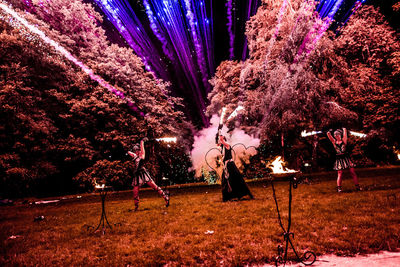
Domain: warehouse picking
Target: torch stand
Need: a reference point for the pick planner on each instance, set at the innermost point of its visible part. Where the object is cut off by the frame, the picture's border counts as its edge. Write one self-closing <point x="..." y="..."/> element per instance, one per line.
<point x="103" y="218"/>
<point x="308" y="257"/>
<point x="165" y="182"/>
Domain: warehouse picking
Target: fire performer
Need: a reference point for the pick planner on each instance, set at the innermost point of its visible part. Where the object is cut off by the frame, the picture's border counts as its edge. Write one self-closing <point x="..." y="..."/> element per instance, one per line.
<point x="343" y="160"/>
<point x="141" y="176"/>
<point x="233" y="184"/>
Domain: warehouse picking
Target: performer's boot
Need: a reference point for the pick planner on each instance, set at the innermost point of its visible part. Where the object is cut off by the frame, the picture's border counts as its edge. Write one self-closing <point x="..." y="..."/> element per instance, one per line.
<point x="165" y="195"/>
<point x="166" y="199"/>
<point x="358" y="188"/>
<point x="161" y="192"/>
<point x="339" y="189"/>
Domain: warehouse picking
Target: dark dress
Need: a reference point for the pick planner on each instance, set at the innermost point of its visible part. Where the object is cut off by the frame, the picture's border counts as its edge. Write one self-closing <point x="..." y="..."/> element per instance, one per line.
<point x="139" y="173"/>
<point x="233" y="184"/>
<point x="343" y="160"/>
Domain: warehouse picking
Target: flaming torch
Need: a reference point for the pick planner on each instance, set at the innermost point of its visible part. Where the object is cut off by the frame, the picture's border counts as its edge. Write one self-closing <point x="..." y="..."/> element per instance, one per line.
<point x="221" y="120"/>
<point x="305" y="134"/>
<point x="235" y="112"/>
<point x="358" y="134"/>
<point x="167" y="139"/>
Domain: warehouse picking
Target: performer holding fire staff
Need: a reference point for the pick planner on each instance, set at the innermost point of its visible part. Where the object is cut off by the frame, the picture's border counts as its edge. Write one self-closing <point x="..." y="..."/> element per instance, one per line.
<point x="233" y="184"/>
<point x="141" y="175"/>
<point x="343" y="160"/>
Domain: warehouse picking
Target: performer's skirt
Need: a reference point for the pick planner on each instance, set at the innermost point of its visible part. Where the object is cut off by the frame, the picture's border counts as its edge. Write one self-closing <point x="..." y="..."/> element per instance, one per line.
<point x="342" y="162"/>
<point x="141" y="177"/>
<point x="233" y="184"/>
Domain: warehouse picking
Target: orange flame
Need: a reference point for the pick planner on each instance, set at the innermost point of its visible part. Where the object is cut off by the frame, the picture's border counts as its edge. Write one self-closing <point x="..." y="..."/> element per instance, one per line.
<point x="397" y="152"/>
<point x="277" y="166"/>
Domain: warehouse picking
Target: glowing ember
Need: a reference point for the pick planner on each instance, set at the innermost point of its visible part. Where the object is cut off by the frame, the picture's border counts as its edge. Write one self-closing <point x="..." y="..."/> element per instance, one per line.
<point x="277" y="166"/>
<point x="235" y="112"/>
<point x="167" y="139"/>
<point x="358" y="134"/>
<point x="304" y="133"/>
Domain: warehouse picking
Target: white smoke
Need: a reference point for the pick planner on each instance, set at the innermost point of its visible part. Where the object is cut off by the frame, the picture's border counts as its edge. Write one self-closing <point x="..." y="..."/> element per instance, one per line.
<point x="205" y="140"/>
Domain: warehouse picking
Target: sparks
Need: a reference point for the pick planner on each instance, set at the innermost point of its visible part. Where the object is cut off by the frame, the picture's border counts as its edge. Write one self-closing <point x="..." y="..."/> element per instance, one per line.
<point x="235" y="112"/>
<point x="167" y="139"/>
<point x="362" y="135"/>
<point x="304" y="133"/>
<point x="222" y="115"/>
<point x="69" y="56"/>
<point x="230" y="26"/>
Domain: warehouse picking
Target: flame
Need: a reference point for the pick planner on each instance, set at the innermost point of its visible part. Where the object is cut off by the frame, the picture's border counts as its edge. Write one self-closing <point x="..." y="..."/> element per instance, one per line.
<point x="235" y="112"/>
<point x="397" y="152"/>
<point x="222" y="115"/>
<point x="277" y="166"/>
<point x="304" y="133"/>
<point x="167" y="139"/>
<point x="358" y="134"/>
<point x="99" y="186"/>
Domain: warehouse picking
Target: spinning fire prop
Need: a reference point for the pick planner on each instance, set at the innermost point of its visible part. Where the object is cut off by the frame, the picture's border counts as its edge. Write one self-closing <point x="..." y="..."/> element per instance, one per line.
<point x="304" y="133"/>
<point x="167" y="139"/>
<point x="221" y="120"/>
<point x="235" y="112"/>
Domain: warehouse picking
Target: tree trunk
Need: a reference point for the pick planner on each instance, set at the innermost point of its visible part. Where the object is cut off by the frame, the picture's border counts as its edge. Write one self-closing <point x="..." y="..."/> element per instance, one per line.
<point x="314" y="152"/>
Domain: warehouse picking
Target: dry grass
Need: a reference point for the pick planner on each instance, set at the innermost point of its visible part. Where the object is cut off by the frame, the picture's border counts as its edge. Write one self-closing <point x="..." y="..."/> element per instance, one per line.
<point x="245" y="232"/>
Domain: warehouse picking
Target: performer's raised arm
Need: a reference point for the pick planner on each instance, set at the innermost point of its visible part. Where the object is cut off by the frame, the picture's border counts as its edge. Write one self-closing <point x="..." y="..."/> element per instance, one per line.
<point x="142" y="153"/>
<point x="345" y="136"/>
<point x="222" y="140"/>
<point x="330" y="136"/>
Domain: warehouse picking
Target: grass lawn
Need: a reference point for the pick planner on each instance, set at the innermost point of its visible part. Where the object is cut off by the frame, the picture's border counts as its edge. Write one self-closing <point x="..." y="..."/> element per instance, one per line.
<point x="244" y="232"/>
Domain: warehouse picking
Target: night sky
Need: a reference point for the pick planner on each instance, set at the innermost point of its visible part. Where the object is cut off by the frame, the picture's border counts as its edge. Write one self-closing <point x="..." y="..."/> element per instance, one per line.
<point x="221" y="38"/>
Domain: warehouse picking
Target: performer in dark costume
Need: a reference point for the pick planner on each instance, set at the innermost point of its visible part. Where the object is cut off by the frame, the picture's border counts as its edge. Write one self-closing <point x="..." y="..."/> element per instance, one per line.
<point x="141" y="175"/>
<point x="233" y="184"/>
<point x="343" y="160"/>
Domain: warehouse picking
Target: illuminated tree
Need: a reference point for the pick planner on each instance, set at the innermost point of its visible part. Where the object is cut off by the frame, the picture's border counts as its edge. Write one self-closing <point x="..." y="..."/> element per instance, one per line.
<point x="370" y="49"/>
<point x="280" y="84"/>
<point x="56" y="122"/>
<point x="298" y="76"/>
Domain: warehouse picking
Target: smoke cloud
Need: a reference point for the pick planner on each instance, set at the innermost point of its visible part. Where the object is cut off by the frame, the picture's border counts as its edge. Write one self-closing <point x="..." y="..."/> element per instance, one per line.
<point x="204" y="141"/>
